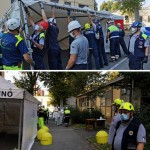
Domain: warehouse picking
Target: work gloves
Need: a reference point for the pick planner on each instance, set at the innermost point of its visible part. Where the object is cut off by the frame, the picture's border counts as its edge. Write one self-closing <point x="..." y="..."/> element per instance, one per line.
<point x="145" y="60"/>
<point x="28" y="37"/>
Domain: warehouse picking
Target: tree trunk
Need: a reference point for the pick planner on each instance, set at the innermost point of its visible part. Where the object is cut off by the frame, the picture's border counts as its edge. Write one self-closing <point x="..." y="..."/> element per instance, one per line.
<point x="136" y="14"/>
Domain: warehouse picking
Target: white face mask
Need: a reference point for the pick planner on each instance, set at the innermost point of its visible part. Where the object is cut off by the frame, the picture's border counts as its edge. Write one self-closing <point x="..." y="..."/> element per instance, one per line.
<point x="72" y="35"/>
<point x="134" y="30"/>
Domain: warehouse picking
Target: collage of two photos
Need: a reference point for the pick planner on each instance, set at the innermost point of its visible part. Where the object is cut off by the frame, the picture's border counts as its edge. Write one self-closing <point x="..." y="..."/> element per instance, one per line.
<point x="74" y="75"/>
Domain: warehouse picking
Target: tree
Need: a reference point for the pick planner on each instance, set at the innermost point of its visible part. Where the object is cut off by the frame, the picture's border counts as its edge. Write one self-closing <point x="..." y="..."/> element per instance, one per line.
<point x="66" y="84"/>
<point x="132" y="7"/>
<point x="27" y="81"/>
<point x="95" y="5"/>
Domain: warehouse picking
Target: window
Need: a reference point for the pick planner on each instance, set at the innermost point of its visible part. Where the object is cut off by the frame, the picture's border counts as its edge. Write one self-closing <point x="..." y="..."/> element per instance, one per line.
<point x="67" y="3"/>
<point x="81" y="6"/>
<point x="55" y="1"/>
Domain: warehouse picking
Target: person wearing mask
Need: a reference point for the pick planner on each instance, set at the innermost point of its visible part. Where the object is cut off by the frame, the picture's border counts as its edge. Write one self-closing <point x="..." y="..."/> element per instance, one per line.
<point x="51" y="42"/>
<point x="130" y="133"/>
<point x="121" y="40"/>
<point x="13" y="47"/>
<point x="113" y="36"/>
<point x="90" y="35"/>
<point x="138" y="47"/>
<point x="37" y="41"/>
<point x="115" y="108"/>
<point x="78" y="49"/>
<point x="99" y="37"/>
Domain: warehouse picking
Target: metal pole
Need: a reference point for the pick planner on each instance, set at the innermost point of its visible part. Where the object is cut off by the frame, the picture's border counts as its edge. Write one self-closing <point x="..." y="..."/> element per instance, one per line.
<point x="27" y="32"/>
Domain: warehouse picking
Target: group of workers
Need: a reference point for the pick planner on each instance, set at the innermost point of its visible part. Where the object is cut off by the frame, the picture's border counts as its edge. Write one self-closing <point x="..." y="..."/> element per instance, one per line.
<point x="61" y="116"/>
<point x="83" y="45"/>
<point x="126" y="131"/>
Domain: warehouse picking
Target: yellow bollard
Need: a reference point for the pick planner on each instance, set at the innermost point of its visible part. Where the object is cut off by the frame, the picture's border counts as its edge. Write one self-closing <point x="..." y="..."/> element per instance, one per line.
<point x="40" y="133"/>
<point x="45" y="128"/>
<point x="46" y="139"/>
<point x="102" y="137"/>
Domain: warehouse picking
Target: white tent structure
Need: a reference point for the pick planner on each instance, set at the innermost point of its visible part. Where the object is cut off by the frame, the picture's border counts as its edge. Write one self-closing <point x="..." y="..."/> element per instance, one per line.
<point x="18" y="113"/>
<point x="17" y="11"/>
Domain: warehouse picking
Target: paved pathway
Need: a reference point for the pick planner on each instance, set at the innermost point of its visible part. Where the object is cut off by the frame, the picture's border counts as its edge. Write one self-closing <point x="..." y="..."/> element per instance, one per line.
<point x="66" y="138"/>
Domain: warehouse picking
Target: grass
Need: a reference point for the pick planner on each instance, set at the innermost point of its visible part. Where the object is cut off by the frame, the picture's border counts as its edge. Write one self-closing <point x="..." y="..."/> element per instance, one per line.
<point x="97" y="146"/>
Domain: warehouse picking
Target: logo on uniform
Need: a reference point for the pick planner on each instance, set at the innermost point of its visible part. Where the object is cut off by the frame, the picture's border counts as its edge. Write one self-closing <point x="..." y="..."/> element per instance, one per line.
<point x="130" y="132"/>
<point x="140" y="43"/>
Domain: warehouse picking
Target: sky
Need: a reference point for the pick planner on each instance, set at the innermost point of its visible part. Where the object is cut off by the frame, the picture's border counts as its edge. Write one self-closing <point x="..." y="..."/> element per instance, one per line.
<point x="147" y="2"/>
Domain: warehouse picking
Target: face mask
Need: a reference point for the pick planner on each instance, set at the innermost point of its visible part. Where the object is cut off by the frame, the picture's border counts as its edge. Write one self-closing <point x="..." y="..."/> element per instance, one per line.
<point x="72" y="35"/>
<point x="36" y="27"/>
<point x="134" y="30"/>
<point x="124" y="117"/>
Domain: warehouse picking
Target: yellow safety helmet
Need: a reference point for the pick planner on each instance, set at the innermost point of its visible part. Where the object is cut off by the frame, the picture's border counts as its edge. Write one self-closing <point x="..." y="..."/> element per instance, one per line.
<point x="127" y="106"/>
<point x="87" y="26"/>
<point x="118" y="101"/>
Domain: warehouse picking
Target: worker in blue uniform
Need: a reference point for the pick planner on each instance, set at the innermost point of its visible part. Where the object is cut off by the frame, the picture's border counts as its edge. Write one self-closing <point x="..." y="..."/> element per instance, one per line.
<point x="100" y="41"/>
<point x="113" y="36"/>
<point x="13" y="47"/>
<point x="93" y="51"/>
<point x="138" y="47"/>
<point x="51" y="42"/>
<point x="121" y="41"/>
<point x="37" y="42"/>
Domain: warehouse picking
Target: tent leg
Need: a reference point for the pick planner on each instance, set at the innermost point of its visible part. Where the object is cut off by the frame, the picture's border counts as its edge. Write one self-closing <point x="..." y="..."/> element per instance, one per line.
<point x="20" y="125"/>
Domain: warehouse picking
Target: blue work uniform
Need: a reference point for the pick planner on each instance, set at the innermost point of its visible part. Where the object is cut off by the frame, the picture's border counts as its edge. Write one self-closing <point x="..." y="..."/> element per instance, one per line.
<point x="13" y="48"/>
<point x="52" y="44"/>
<point x="137" y="46"/>
<point x="80" y="48"/>
<point x="114" y="41"/>
<point x="100" y="45"/>
<point x="38" y="54"/>
<point x="122" y="42"/>
<point x="90" y="35"/>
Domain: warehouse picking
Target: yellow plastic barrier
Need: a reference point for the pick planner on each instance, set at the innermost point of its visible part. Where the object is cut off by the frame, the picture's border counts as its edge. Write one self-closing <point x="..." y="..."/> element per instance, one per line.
<point x="45" y="128"/>
<point x="46" y="139"/>
<point x="102" y="137"/>
<point x="40" y="133"/>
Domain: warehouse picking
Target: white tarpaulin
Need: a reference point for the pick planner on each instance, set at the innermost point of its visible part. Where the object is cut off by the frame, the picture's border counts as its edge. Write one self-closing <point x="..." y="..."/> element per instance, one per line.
<point x="18" y="113"/>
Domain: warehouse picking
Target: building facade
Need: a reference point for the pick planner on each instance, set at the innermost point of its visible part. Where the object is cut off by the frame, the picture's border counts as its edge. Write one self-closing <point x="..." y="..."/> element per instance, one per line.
<point x="103" y="99"/>
<point x="78" y="3"/>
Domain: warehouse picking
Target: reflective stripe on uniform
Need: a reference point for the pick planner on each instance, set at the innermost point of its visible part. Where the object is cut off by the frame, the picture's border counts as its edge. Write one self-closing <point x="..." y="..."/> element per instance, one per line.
<point x="144" y="36"/>
<point x="113" y="28"/>
<point x="42" y="35"/>
<point x="19" y="40"/>
<point x="12" y="67"/>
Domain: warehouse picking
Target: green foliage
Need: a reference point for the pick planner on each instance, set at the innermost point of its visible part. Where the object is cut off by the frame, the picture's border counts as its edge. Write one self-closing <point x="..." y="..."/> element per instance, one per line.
<point x="27" y="81"/>
<point x="96" y="113"/>
<point x="78" y="116"/>
<point x="110" y="6"/>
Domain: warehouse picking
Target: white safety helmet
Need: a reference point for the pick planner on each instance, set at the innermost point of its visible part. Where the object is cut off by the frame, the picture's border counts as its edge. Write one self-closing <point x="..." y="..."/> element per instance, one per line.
<point x="13" y="24"/>
<point x="73" y="25"/>
<point x="52" y="20"/>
